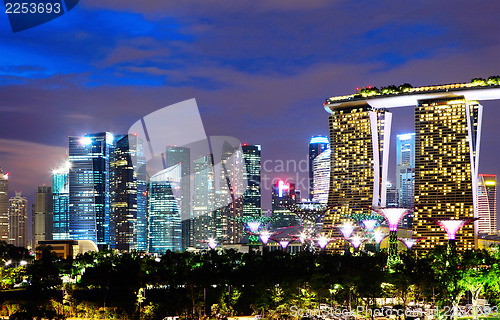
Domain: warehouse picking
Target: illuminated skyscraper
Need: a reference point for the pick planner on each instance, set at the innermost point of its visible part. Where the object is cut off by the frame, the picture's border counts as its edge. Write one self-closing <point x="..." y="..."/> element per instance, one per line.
<point x="203" y="201"/>
<point x="230" y="197"/>
<point x="283" y="194"/>
<point x="42" y="215"/>
<point x="487" y="203"/>
<point x="18" y="218"/>
<point x="4" y="206"/>
<point x="165" y="231"/>
<point x="392" y="197"/>
<point x="359" y="136"/>
<point x="317" y="145"/>
<point x="181" y="155"/>
<point x="447" y="138"/>
<point x="89" y="182"/>
<point x="128" y="229"/>
<point x="321" y="172"/>
<point x="60" y="204"/>
<point x="252" y="196"/>
<point x="405" y="174"/>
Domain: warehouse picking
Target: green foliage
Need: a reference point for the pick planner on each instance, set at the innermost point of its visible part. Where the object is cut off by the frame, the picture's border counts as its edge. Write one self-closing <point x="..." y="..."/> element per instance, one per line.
<point x="127" y="285"/>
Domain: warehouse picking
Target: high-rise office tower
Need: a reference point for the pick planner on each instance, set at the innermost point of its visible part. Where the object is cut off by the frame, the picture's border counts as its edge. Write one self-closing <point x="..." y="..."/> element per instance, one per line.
<point x="181" y="155"/>
<point x="203" y="201"/>
<point x="487" y="203"/>
<point x="42" y="215"/>
<point x="165" y="232"/>
<point x="89" y="182"/>
<point x="317" y="145"/>
<point x="283" y="194"/>
<point x="447" y="139"/>
<point x="392" y="197"/>
<point x="60" y="204"/>
<point x="405" y="174"/>
<point x="18" y="218"/>
<point x="360" y="136"/>
<point x="230" y="197"/>
<point x="128" y="229"/>
<point x="405" y="168"/>
<point x="321" y="173"/>
<point x="252" y="195"/>
<point x="4" y="206"/>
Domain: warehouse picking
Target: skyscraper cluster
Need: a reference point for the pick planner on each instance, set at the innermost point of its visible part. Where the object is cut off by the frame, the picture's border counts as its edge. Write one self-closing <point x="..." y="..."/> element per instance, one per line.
<point x="106" y="194"/>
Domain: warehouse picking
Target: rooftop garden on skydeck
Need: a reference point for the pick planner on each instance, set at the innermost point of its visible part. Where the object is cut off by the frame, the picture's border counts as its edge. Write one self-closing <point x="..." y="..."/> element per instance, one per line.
<point x="407" y="89"/>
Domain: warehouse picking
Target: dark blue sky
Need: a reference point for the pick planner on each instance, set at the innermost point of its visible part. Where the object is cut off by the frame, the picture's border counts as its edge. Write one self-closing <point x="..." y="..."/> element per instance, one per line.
<point x="260" y="70"/>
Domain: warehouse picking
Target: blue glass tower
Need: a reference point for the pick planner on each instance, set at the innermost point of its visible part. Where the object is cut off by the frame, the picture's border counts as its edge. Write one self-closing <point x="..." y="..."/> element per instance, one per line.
<point x="60" y="203"/>
<point x="89" y="181"/>
<point x="165" y="232"/>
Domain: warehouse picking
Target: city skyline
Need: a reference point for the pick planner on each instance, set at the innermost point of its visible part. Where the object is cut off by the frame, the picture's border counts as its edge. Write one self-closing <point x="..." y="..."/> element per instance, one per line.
<point x="106" y="78"/>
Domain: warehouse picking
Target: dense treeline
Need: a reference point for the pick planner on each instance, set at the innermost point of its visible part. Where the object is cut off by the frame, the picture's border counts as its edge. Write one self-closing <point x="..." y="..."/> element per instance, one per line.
<point x="224" y="283"/>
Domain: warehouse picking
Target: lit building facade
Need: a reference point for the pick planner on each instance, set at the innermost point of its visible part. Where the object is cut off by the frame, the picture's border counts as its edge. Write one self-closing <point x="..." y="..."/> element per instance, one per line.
<point x="405" y="174"/>
<point x="392" y="197"/>
<point x="18" y="219"/>
<point x="165" y="232"/>
<point x="181" y="155"/>
<point x="317" y="145"/>
<point x="321" y="173"/>
<point x="89" y="192"/>
<point x="128" y="223"/>
<point x="252" y="196"/>
<point x="359" y="136"/>
<point x="283" y="194"/>
<point x="487" y="203"/>
<point x="60" y="203"/>
<point x="446" y="161"/>
<point x="230" y="198"/>
<point x="204" y="202"/>
<point x="405" y="169"/>
<point x="42" y="215"/>
<point x="4" y="206"/>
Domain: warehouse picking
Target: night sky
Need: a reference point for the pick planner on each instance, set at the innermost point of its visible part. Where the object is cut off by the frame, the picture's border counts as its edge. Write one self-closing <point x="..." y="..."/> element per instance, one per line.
<point x="259" y="70"/>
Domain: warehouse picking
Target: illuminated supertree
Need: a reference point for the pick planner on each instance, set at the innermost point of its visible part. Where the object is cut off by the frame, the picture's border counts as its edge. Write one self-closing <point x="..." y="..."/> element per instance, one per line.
<point x="378" y="236"/>
<point x="322" y="242"/>
<point x="211" y="242"/>
<point x="393" y="216"/>
<point x="356" y="242"/>
<point x="310" y="214"/>
<point x="452" y="226"/>
<point x="347" y="229"/>
<point x="410" y="242"/>
<point x="254" y="224"/>
<point x="265" y="236"/>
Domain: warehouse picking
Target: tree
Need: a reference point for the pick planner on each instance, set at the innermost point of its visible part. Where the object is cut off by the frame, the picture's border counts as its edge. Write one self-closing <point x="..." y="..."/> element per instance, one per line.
<point x="449" y="274"/>
<point x="480" y="269"/>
